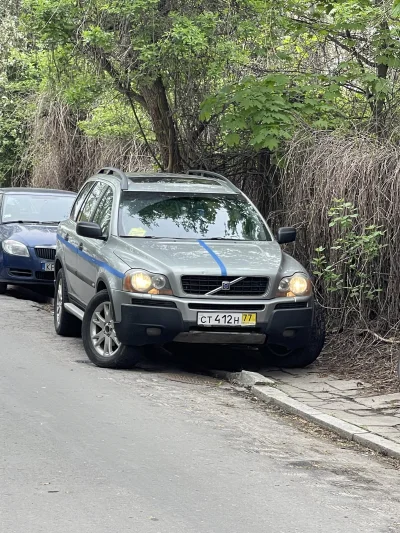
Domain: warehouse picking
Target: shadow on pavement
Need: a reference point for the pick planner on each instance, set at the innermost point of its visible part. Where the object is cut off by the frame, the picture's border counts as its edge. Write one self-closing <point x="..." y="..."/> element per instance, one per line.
<point x="200" y="359"/>
<point x="40" y="296"/>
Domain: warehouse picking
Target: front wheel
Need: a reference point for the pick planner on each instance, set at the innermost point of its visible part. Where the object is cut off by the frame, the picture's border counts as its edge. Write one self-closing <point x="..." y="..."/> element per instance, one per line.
<point x="301" y="357"/>
<point x="100" y="339"/>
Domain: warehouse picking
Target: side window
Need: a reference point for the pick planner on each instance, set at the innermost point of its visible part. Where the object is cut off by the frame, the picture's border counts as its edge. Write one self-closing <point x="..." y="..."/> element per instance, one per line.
<point x="102" y="215"/>
<point x="86" y="212"/>
<point x="80" y="199"/>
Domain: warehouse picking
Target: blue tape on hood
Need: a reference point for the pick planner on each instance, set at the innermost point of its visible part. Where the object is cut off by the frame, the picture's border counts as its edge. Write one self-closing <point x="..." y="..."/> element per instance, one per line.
<point x="214" y="256"/>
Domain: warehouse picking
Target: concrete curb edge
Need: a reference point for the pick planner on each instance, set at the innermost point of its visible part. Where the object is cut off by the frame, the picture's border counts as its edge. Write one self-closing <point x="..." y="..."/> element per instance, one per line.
<point x="265" y="390"/>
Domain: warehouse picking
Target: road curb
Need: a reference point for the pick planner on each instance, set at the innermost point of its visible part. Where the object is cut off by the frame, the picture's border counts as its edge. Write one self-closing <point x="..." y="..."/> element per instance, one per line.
<point x="243" y="378"/>
<point x="265" y="389"/>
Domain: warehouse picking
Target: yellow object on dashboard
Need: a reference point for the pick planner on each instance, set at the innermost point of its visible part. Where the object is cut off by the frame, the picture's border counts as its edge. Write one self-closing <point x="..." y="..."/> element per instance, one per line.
<point x="137" y="232"/>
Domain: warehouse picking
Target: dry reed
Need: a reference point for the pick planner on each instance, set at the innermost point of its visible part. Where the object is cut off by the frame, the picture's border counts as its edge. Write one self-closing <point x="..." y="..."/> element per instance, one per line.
<point x="319" y="167"/>
<point x="63" y="157"/>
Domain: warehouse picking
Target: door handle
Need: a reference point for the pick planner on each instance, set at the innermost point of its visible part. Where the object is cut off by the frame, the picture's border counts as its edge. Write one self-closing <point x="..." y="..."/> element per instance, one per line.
<point x="80" y="246"/>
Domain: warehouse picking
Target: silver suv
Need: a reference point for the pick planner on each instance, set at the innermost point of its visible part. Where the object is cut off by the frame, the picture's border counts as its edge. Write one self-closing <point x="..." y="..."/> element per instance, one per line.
<point x="153" y="259"/>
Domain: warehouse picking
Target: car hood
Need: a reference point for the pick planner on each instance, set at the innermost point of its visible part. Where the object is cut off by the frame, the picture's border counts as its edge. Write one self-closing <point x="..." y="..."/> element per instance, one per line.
<point x="30" y="234"/>
<point x="231" y="258"/>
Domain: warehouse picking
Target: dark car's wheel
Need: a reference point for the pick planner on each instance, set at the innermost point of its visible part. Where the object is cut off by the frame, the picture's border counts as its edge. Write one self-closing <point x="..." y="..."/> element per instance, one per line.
<point x="301" y="357"/>
<point x="100" y="339"/>
<point x="3" y="288"/>
<point x="65" y="324"/>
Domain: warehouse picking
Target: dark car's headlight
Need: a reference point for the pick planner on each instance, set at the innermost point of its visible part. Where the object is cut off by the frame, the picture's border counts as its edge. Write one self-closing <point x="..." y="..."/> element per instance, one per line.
<point x="15" y="248"/>
<point x="145" y="282"/>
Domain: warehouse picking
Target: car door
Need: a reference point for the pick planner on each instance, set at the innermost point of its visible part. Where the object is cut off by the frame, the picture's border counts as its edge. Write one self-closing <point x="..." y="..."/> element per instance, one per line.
<point x="86" y="263"/>
<point x="66" y="234"/>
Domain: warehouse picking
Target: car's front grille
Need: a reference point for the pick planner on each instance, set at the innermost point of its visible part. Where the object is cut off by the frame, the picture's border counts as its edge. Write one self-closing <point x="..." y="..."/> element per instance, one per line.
<point x="225" y="307"/>
<point x="248" y="286"/>
<point x="46" y="253"/>
<point x="44" y="275"/>
<point x="20" y="272"/>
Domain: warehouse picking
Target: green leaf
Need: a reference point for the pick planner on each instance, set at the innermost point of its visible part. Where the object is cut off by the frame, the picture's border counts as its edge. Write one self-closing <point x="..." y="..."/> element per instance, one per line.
<point x="232" y="139"/>
<point x="396" y="8"/>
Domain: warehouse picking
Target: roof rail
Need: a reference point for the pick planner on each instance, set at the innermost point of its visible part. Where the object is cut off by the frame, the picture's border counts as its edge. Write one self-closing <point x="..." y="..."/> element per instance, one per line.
<point x="208" y="174"/>
<point x="117" y="172"/>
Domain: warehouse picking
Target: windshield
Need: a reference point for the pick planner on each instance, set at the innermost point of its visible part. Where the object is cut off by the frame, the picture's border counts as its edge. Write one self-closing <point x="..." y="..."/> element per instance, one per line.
<point x="38" y="208"/>
<point x="179" y="216"/>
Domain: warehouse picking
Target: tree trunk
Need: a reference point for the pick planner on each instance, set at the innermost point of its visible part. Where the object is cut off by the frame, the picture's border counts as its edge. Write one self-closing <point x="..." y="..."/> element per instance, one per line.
<point x="157" y="105"/>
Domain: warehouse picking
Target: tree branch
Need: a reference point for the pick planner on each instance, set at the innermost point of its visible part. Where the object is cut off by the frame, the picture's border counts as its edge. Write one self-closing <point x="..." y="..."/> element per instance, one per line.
<point x="123" y="88"/>
<point x="151" y="151"/>
<point x="352" y="50"/>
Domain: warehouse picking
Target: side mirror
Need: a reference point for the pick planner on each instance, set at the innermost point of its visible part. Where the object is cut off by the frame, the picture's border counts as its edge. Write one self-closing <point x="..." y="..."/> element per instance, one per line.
<point x="286" y="235"/>
<point x="89" y="229"/>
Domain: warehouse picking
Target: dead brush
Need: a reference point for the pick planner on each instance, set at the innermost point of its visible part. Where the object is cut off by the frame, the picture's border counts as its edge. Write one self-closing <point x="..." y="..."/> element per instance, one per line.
<point x="319" y="167"/>
<point x="63" y="157"/>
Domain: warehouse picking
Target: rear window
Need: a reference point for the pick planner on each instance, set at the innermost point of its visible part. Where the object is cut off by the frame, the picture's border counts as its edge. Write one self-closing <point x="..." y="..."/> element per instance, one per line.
<point x="180" y="216"/>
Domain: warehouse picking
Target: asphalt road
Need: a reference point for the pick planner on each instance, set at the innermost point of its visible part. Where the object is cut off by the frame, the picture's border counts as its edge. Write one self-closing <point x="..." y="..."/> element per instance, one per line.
<point x="86" y="450"/>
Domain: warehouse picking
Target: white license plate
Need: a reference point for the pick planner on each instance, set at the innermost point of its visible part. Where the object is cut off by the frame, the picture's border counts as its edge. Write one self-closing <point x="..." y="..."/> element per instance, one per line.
<point x="48" y="267"/>
<point x="227" y="319"/>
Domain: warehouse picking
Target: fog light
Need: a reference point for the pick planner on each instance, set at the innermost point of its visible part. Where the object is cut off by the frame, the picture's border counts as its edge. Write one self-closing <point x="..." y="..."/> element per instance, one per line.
<point x="153" y="332"/>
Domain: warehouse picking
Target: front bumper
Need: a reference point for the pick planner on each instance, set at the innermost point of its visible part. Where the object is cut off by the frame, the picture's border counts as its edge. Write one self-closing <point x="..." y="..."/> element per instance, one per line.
<point x="17" y="270"/>
<point x="146" y="320"/>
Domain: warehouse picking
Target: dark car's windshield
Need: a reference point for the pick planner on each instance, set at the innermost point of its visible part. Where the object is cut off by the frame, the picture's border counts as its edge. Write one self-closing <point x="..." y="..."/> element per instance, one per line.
<point x="180" y="216"/>
<point x="39" y="208"/>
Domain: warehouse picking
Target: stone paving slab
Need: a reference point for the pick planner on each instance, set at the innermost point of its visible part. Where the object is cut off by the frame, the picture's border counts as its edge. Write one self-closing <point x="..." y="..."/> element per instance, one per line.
<point x="348" y="407"/>
<point x="327" y="395"/>
<point x="294" y="391"/>
<point x="342" y="405"/>
<point x="346" y="384"/>
<point x="366" y="420"/>
<point x="390" y="433"/>
<point x="312" y="386"/>
<point x="301" y="395"/>
<point x="382" y="401"/>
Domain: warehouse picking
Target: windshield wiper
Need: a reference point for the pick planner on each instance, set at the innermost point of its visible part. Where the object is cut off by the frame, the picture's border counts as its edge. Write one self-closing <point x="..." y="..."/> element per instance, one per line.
<point x="144" y="237"/>
<point x="21" y="222"/>
<point x="47" y="223"/>
<point x="219" y="239"/>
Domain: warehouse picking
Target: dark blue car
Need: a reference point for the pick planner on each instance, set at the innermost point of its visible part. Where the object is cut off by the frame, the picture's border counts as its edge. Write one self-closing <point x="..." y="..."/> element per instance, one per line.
<point x="28" y="227"/>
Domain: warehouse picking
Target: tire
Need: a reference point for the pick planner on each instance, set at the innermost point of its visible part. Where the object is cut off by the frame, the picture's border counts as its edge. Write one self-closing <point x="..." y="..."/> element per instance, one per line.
<point x="301" y="357"/>
<point x="98" y="324"/>
<point x="65" y="324"/>
<point x="3" y="288"/>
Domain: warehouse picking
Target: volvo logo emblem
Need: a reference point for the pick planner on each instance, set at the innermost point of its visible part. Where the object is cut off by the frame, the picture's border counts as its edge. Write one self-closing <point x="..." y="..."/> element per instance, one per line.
<point x="226" y="286"/>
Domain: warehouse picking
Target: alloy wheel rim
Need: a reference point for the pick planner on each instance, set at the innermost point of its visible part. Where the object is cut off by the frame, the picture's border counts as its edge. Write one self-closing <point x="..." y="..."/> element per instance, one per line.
<point x="59" y="302"/>
<point x="102" y="332"/>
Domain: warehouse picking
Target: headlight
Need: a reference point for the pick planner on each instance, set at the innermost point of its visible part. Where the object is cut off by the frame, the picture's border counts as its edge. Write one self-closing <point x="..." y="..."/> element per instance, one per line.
<point x="15" y="248"/>
<point x="297" y="285"/>
<point x="139" y="281"/>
